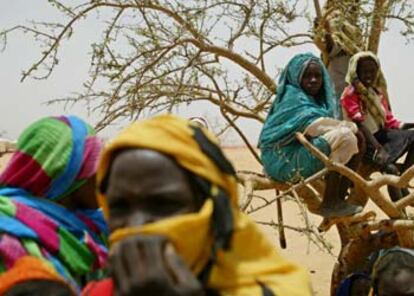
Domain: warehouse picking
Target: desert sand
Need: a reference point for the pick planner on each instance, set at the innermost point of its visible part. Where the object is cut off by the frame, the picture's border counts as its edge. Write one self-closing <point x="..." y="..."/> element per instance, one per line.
<point x="4" y="158"/>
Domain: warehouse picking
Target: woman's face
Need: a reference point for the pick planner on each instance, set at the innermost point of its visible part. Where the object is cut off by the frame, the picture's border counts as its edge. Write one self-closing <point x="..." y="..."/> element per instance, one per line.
<point x="146" y="186"/>
<point x="367" y="71"/>
<point x="312" y="79"/>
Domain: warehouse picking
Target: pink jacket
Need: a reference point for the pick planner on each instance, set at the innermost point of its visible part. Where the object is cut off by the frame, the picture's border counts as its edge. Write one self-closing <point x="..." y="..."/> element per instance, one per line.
<point x="355" y="110"/>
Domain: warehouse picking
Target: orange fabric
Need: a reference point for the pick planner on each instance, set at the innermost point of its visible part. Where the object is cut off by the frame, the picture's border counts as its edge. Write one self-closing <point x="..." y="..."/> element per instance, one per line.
<point x="25" y="269"/>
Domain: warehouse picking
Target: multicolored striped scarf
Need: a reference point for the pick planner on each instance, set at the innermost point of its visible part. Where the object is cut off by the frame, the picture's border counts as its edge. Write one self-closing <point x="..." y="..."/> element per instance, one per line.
<point x="54" y="157"/>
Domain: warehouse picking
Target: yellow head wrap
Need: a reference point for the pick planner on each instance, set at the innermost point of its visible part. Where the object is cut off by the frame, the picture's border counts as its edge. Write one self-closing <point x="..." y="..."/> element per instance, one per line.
<point x="249" y="259"/>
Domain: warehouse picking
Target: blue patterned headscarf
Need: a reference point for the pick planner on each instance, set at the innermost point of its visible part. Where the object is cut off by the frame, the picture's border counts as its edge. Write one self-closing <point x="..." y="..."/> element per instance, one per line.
<point x="293" y="110"/>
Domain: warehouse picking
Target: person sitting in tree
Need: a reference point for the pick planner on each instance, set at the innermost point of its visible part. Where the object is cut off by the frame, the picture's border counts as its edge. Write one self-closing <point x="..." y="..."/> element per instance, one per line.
<point x="365" y="102"/>
<point x="305" y="103"/>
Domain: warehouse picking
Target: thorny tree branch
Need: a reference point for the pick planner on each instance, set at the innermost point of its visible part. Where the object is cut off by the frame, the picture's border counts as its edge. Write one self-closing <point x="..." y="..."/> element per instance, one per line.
<point x="357" y="224"/>
<point x="312" y="234"/>
<point x="378" y="21"/>
<point x="372" y="188"/>
<point x="170" y="46"/>
<point x="260" y="182"/>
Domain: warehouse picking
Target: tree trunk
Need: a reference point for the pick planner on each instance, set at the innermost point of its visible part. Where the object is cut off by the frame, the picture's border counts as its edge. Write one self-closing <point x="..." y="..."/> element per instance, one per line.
<point x="353" y="256"/>
<point x="338" y="65"/>
<point x="377" y="25"/>
<point x="354" y="12"/>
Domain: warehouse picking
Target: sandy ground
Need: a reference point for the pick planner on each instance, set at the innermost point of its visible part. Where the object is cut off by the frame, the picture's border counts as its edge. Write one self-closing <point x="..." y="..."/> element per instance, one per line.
<point x="4" y="158"/>
<point x="299" y="249"/>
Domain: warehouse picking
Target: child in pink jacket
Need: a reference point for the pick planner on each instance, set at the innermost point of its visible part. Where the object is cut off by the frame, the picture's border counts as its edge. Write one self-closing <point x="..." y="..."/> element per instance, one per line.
<point x="365" y="102"/>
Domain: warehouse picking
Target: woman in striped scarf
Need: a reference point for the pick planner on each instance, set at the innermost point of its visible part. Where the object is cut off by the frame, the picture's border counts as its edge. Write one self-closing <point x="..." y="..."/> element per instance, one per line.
<point x="48" y="209"/>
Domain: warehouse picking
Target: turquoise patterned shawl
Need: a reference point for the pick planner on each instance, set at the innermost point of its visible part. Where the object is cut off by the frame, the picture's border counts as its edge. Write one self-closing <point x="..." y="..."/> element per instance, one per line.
<point x="293" y="110"/>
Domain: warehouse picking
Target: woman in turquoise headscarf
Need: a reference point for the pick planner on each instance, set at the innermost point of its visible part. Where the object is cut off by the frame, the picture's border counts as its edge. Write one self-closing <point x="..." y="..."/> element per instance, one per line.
<point x="305" y="102"/>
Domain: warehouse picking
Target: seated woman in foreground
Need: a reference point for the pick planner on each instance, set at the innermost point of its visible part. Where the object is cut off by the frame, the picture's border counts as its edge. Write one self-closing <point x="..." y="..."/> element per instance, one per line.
<point x="170" y="196"/>
<point x="51" y="231"/>
<point x="364" y="102"/>
<point x="305" y="102"/>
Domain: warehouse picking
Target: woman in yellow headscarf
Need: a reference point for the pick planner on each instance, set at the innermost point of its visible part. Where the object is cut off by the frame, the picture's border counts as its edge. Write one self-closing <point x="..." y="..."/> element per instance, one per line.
<point x="170" y="197"/>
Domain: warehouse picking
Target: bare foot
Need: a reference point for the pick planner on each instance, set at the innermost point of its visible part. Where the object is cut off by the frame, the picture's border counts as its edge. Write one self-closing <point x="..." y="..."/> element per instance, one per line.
<point x="339" y="209"/>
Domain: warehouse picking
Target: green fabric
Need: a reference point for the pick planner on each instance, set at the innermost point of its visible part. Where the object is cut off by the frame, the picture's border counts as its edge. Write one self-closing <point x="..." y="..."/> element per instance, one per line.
<point x="32" y="247"/>
<point x="7" y="207"/>
<point x="2" y="267"/>
<point x="79" y="262"/>
<point x="54" y="157"/>
<point x="293" y="162"/>
<point x="293" y="111"/>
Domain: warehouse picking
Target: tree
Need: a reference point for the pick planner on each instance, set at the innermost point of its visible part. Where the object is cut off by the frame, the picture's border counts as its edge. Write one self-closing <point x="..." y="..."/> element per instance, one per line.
<point x="176" y="52"/>
<point x="158" y="54"/>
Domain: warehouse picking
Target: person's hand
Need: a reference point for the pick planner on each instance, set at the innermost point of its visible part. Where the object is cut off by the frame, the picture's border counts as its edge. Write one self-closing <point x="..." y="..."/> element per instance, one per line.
<point x="351" y="125"/>
<point x="391" y="168"/>
<point x="149" y="265"/>
<point x="381" y="157"/>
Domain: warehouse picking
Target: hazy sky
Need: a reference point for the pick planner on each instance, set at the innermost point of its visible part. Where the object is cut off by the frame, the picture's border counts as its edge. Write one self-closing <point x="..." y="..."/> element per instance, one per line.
<point x="21" y="103"/>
